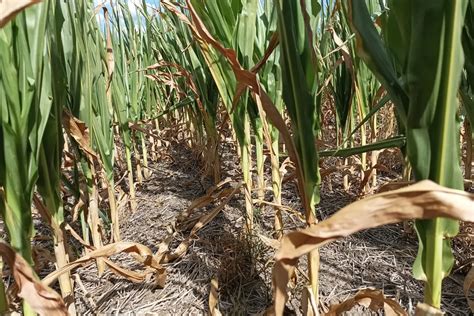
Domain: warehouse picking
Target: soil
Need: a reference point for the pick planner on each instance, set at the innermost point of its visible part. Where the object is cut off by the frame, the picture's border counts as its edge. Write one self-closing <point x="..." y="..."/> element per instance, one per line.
<point x="379" y="258"/>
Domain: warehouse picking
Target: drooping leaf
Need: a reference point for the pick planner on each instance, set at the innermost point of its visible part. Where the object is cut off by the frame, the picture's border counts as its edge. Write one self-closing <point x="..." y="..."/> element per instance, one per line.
<point x="424" y="200"/>
<point x="10" y="8"/>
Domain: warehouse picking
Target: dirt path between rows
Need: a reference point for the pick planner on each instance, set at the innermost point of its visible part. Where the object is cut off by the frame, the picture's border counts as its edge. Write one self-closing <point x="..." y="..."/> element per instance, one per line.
<point x="379" y="258"/>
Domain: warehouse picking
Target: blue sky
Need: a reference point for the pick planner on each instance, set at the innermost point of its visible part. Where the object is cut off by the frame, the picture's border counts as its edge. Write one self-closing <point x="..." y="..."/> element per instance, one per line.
<point x="132" y="4"/>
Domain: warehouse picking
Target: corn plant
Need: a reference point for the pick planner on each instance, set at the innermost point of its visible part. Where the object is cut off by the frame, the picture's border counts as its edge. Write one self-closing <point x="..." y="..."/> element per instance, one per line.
<point x="50" y="156"/>
<point x="270" y="77"/>
<point x="422" y="74"/>
<point x="32" y="96"/>
<point x="87" y="77"/>
<point x="296" y="24"/>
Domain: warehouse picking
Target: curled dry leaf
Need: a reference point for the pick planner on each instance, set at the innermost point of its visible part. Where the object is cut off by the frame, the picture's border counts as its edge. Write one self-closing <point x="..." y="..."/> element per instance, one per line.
<point x="281" y="207"/>
<point x="79" y="131"/>
<point x="165" y="256"/>
<point x="469" y="288"/>
<point x="213" y="298"/>
<point x="423" y="200"/>
<point x="202" y="201"/>
<point x="10" y="8"/>
<point x="39" y="296"/>
<point x="391" y="186"/>
<point x="182" y="72"/>
<point x="141" y="253"/>
<point x="369" y="172"/>
<point x="373" y="299"/>
<point x="423" y="309"/>
<point x="269" y="242"/>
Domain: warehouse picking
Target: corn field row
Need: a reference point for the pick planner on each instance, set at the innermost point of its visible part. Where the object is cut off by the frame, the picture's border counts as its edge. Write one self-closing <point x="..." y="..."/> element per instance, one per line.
<point x="91" y="94"/>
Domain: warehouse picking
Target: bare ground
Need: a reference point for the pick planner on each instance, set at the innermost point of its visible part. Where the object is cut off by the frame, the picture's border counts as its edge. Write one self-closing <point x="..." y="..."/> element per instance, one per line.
<point x="379" y="258"/>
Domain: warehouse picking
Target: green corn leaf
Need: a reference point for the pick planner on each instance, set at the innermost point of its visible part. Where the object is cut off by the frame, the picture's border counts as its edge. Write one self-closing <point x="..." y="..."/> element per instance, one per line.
<point x="299" y="87"/>
<point x="370" y="48"/>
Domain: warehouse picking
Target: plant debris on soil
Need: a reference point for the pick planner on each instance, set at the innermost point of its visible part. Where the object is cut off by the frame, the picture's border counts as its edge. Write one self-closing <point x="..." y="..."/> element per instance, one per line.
<point x="380" y="258"/>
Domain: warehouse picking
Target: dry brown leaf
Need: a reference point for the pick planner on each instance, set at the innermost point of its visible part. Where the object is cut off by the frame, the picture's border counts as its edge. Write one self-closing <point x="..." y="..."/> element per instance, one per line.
<point x="274" y="41"/>
<point x="269" y="242"/>
<point x="214" y="298"/>
<point x="76" y="236"/>
<point x="423" y="309"/>
<point x="391" y="186"/>
<point x="203" y="221"/>
<point x="142" y="254"/>
<point x="163" y="254"/>
<point x="373" y="299"/>
<point x="308" y="302"/>
<point x="206" y="218"/>
<point x="202" y="200"/>
<point x="423" y="200"/>
<point x="469" y="288"/>
<point x="42" y="210"/>
<point x="10" y="8"/>
<point x="39" y="296"/>
<point x="182" y="72"/>
<point x="369" y="172"/>
<point x="164" y="247"/>
<point x="79" y="131"/>
<point x="136" y="127"/>
<point x="281" y="207"/>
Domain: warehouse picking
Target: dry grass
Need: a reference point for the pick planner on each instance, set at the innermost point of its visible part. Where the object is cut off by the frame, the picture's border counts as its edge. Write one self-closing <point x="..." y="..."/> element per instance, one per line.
<point x="380" y="258"/>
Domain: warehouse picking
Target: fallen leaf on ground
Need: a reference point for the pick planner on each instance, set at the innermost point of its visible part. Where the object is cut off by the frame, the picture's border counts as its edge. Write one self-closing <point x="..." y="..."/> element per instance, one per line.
<point x="423" y="309"/>
<point x="182" y="248"/>
<point x="373" y="299"/>
<point x="213" y="298"/>
<point x="141" y="253"/>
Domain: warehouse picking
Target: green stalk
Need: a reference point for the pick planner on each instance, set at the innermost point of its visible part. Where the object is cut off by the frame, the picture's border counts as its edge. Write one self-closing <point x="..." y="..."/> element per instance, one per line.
<point x="131" y="185"/>
<point x="260" y="161"/>
<point x="444" y="138"/>
<point x="276" y="186"/>
<point x="246" y="163"/>
<point x="146" y="171"/>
